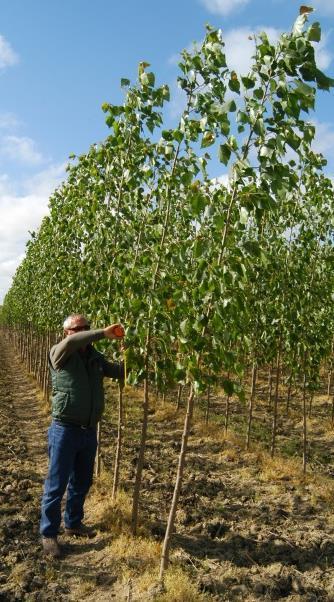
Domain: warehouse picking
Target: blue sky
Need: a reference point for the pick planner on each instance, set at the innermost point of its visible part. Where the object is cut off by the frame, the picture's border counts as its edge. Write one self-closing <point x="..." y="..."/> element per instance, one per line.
<point x="59" y="61"/>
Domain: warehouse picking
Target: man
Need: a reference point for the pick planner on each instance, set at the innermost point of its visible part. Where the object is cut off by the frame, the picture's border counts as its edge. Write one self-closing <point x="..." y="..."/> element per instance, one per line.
<point x="77" y="372"/>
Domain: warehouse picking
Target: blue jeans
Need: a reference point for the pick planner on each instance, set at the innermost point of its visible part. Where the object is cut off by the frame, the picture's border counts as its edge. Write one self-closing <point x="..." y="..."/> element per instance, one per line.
<point x="72" y="452"/>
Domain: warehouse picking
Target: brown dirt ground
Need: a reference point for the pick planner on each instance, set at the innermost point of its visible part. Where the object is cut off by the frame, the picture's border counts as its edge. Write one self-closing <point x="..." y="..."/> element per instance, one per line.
<point x="248" y="527"/>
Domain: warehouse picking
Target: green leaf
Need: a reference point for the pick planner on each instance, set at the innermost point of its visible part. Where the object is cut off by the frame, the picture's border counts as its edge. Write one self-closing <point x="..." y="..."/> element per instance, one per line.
<point x="228" y="386"/>
<point x="252" y="247"/>
<point x="207" y="139"/>
<point x="144" y="79"/>
<point x="125" y="82"/>
<point x="314" y="32"/>
<point x="234" y="83"/>
<point x="178" y="135"/>
<point x="242" y="117"/>
<point x="243" y="215"/>
<point x="232" y="142"/>
<point x="293" y="140"/>
<point x="266" y="151"/>
<point x="324" y="82"/>
<point x="224" y="153"/>
<point x="225" y="127"/>
<point x="197" y="202"/>
<point x="184" y="326"/>
<point x="151" y="79"/>
<point x="304" y="89"/>
<point x="248" y="82"/>
<point x="229" y="106"/>
<point x="199" y="248"/>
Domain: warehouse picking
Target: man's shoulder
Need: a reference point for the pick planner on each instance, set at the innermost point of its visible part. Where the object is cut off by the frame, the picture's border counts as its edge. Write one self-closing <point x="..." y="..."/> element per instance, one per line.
<point x="96" y="354"/>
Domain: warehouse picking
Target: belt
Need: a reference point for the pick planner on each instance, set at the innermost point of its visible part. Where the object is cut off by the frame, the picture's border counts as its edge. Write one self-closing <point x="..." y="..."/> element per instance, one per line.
<point x="79" y="426"/>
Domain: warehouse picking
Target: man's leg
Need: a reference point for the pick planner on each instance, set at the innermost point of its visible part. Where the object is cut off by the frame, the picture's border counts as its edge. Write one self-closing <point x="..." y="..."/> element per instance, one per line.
<point x="80" y="479"/>
<point x="63" y="446"/>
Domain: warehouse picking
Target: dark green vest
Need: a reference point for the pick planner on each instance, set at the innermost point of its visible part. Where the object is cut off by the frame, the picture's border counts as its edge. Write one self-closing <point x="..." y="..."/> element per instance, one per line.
<point x="77" y="389"/>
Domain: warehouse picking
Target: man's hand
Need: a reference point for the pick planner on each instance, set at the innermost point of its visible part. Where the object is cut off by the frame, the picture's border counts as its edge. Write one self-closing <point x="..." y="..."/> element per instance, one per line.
<point x="115" y="331"/>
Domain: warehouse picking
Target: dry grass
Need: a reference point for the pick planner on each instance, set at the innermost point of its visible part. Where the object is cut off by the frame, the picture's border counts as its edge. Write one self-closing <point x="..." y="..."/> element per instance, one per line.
<point x="84" y="588"/>
<point x="178" y="586"/>
<point x="280" y="469"/>
<point x="135" y="553"/>
<point x="322" y="490"/>
<point x="137" y="558"/>
<point x="168" y="413"/>
<point x="19" y="572"/>
<point x="112" y="516"/>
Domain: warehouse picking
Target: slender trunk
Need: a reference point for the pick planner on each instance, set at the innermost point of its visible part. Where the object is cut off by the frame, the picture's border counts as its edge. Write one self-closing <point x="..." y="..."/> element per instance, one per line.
<point x="140" y="463"/>
<point x="270" y="386"/>
<point x="289" y="395"/>
<point x="274" y="423"/>
<point x="251" y="403"/>
<point x="178" y="400"/>
<point x="227" y="412"/>
<point x="310" y="404"/>
<point x="178" y="483"/>
<point x="227" y="408"/>
<point x="304" y="425"/>
<point x="98" y="451"/>
<point x="207" y="411"/>
<point x="119" y="443"/>
<point x="332" y="418"/>
<point x="329" y="383"/>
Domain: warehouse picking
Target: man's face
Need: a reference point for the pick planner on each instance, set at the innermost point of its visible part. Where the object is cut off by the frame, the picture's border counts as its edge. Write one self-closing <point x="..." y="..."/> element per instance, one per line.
<point x="77" y="325"/>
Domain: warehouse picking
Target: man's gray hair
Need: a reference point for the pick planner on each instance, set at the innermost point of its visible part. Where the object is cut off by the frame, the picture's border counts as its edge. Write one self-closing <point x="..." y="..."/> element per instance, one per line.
<point x="73" y="317"/>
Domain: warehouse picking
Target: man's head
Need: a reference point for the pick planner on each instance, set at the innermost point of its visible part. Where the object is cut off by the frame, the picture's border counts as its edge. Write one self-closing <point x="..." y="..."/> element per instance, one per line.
<point x="75" y="323"/>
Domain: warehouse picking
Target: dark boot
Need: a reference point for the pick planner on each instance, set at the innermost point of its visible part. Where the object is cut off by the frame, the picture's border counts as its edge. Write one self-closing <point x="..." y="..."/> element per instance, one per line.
<point x="81" y="531"/>
<point x="51" y="547"/>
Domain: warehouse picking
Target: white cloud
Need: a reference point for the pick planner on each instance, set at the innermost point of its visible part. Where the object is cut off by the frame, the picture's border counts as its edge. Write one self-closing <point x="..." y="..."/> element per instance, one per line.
<point x="223" y="7"/>
<point x="22" y="149"/>
<point x="21" y="213"/>
<point x="324" y="138"/>
<point x="323" y="56"/>
<point x="7" y="55"/>
<point x="239" y="48"/>
<point x="8" y="121"/>
<point x="178" y="101"/>
<point x="325" y="7"/>
<point x="45" y="182"/>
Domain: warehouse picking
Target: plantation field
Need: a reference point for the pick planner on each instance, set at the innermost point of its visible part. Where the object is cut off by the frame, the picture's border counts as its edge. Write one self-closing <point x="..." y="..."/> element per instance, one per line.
<point x="248" y="527"/>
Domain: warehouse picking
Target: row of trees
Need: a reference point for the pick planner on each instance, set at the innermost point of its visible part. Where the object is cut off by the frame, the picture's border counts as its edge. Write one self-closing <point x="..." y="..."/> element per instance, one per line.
<point x="207" y="277"/>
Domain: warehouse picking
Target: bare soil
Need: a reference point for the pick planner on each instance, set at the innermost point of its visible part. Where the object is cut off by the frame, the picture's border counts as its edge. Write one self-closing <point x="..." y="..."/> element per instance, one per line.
<point x="248" y="527"/>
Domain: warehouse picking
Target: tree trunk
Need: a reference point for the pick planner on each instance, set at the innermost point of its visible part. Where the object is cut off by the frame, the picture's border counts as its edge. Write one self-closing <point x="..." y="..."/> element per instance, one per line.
<point x="274" y="423"/>
<point x="178" y="483"/>
<point x="251" y="402"/>
<point x="310" y="404"/>
<point x="289" y="395"/>
<point x="119" y="442"/>
<point x="227" y="413"/>
<point x="207" y="411"/>
<point x="329" y="383"/>
<point x="178" y="400"/>
<point x="304" y="425"/>
<point x="98" y="451"/>
<point x="140" y="463"/>
<point x="270" y="386"/>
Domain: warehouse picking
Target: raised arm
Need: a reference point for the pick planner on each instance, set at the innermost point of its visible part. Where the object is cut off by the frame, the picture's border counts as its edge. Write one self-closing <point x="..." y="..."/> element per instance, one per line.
<point x="61" y="351"/>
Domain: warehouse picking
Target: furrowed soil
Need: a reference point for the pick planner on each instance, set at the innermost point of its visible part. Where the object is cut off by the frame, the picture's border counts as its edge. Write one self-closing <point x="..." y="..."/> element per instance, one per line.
<point x="248" y="527"/>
